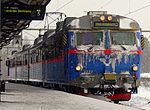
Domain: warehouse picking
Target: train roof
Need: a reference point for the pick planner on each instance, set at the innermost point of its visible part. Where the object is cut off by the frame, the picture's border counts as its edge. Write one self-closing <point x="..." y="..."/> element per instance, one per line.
<point x="26" y="46"/>
<point x="92" y="21"/>
<point x="38" y="40"/>
<point x="49" y="33"/>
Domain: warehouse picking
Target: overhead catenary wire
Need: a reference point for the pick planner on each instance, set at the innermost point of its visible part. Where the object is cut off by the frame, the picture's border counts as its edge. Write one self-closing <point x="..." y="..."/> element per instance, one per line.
<point x="105" y="4"/>
<point x="65" y="5"/>
<point x="129" y="6"/>
<point x="137" y="10"/>
<point x="57" y="10"/>
<point x="38" y="24"/>
<point x="54" y="20"/>
<point x="30" y="34"/>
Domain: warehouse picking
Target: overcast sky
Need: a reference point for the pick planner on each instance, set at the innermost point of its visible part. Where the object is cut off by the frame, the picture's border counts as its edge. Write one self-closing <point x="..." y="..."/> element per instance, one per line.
<point x="122" y="7"/>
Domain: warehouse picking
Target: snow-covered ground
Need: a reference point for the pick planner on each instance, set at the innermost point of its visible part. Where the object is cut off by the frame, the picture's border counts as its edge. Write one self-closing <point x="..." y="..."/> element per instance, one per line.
<point x="145" y="75"/>
<point x="24" y="97"/>
<point x="142" y="99"/>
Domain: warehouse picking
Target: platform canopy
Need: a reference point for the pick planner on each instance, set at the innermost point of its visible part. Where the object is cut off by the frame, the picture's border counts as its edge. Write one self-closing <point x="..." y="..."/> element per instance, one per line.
<point x="16" y="15"/>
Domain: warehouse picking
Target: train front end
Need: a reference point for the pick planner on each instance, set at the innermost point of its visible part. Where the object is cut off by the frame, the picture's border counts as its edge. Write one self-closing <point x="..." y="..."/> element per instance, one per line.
<point x="104" y="52"/>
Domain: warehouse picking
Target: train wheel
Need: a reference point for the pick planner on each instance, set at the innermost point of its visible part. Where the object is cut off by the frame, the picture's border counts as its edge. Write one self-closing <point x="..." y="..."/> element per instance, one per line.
<point x="116" y="101"/>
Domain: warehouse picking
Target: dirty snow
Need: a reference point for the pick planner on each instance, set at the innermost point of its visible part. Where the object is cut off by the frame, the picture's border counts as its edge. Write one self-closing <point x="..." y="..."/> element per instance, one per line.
<point x="142" y="99"/>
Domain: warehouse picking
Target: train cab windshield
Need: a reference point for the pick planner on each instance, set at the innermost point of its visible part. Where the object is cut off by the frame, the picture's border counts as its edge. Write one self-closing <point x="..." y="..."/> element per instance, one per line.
<point x="123" y="38"/>
<point x="89" y="38"/>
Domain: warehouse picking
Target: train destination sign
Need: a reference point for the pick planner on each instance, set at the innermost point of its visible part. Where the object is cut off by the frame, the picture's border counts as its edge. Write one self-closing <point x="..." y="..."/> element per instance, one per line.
<point x="106" y="24"/>
<point x="27" y="12"/>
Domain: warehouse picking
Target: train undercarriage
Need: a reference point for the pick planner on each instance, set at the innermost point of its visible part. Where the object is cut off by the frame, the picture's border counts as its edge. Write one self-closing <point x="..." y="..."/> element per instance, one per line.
<point x="115" y="88"/>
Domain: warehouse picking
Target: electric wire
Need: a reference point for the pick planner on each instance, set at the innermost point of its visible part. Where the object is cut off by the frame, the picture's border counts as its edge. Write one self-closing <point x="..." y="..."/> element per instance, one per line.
<point x="65" y="5"/>
<point x="30" y="34"/>
<point x="38" y="23"/>
<point x="105" y="4"/>
<point x="129" y="6"/>
<point x="51" y="22"/>
<point x="137" y="10"/>
<point x="57" y="10"/>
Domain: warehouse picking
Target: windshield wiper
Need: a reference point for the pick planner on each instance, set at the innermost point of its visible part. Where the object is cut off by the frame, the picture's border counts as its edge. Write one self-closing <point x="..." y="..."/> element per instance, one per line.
<point x="90" y="48"/>
<point x="124" y="48"/>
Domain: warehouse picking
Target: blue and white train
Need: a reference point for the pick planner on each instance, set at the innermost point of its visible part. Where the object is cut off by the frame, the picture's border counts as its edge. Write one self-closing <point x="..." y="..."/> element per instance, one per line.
<point x="98" y="52"/>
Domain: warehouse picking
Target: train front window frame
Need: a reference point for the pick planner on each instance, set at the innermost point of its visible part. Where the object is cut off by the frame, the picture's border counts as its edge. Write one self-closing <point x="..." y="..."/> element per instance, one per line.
<point x="123" y="37"/>
<point x="85" y="38"/>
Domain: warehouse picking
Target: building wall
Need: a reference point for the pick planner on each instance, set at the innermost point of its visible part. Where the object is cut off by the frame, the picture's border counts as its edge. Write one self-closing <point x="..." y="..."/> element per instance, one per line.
<point x="5" y="53"/>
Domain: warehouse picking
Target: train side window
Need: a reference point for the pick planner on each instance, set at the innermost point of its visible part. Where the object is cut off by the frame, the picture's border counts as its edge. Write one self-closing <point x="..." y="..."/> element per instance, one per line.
<point x="7" y="62"/>
<point x="26" y="61"/>
<point x="43" y="55"/>
<point x="12" y="62"/>
<point x="40" y="55"/>
<point x="36" y="58"/>
<point x="23" y="60"/>
<point x="59" y="45"/>
<point x="31" y="60"/>
<point x="20" y="62"/>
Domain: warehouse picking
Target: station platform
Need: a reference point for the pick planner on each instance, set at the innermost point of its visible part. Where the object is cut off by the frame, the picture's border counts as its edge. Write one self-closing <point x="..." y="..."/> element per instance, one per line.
<point x="25" y="97"/>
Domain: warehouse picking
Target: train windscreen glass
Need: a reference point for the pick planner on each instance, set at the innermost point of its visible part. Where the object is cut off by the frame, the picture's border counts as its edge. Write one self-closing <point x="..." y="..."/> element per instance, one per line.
<point x="123" y="38"/>
<point x="87" y="38"/>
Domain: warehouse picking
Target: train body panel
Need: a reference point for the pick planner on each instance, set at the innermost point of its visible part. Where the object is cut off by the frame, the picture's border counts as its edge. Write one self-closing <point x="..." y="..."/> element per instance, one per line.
<point x="19" y="73"/>
<point x="55" y="70"/>
<point x="36" y="72"/>
<point x="24" y="73"/>
<point x="12" y="76"/>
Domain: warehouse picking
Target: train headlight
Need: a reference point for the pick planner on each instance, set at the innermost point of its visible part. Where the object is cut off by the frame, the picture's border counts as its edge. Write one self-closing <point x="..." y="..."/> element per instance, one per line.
<point x="134" y="68"/>
<point x="102" y="18"/>
<point x="78" y="68"/>
<point x="109" y="18"/>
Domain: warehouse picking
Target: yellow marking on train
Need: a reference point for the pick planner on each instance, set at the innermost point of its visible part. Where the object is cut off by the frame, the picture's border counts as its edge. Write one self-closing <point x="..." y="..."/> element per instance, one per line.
<point x="65" y="39"/>
<point x="109" y="76"/>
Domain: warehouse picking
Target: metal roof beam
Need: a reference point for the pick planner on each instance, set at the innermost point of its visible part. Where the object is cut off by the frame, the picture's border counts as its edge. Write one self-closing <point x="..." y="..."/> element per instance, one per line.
<point x="11" y="27"/>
